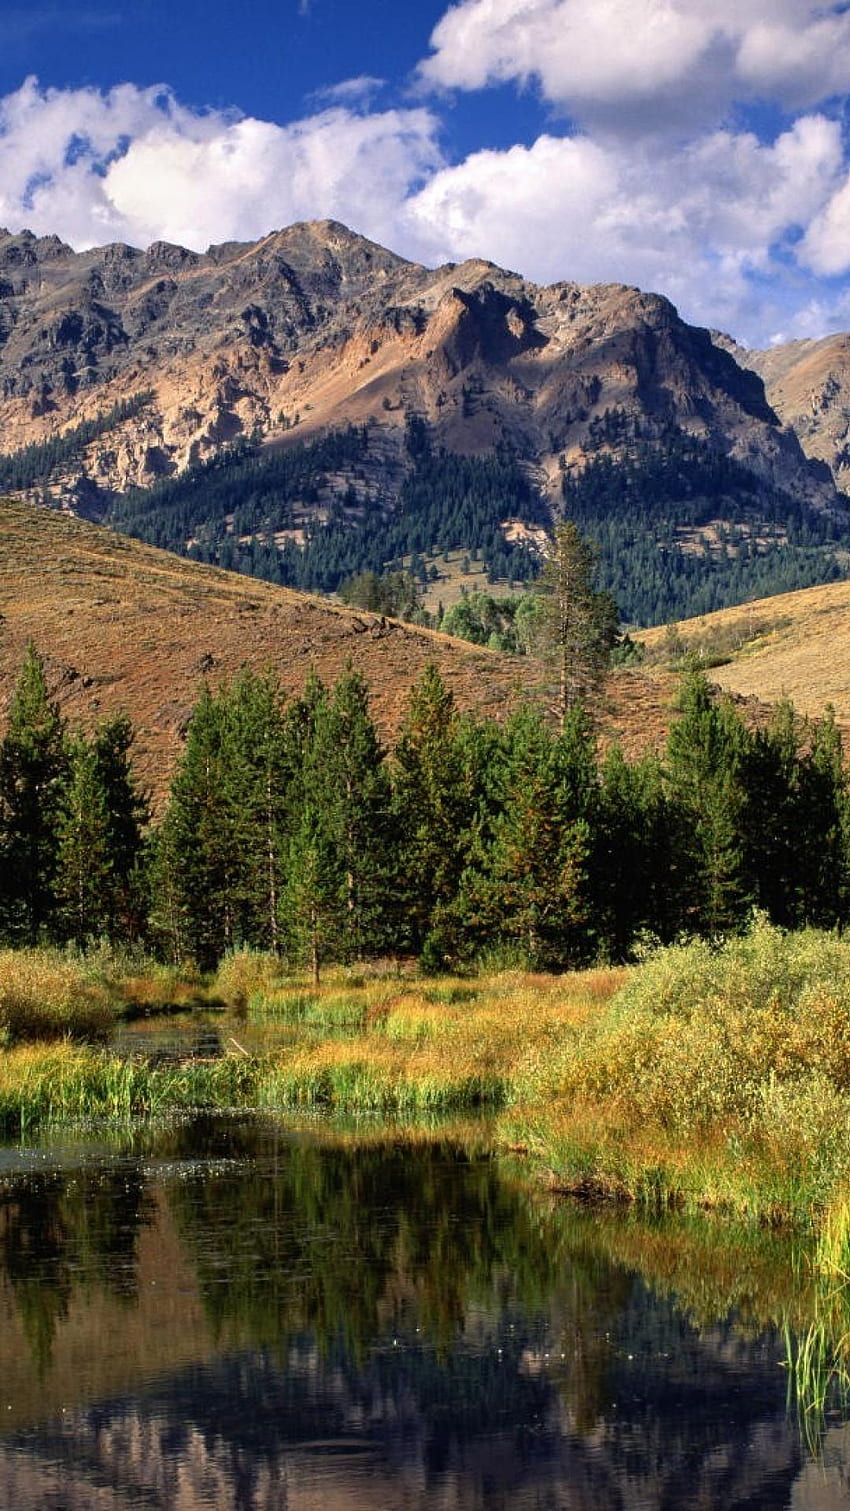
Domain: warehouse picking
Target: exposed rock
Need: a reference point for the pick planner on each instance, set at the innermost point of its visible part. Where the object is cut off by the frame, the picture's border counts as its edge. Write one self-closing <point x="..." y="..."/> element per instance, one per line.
<point x="314" y="327"/>
<point x="808" y="384"/>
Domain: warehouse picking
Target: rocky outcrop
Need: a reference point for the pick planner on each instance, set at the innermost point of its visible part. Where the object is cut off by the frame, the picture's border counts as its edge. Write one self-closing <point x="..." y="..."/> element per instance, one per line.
<point x="808" y="384"/>
<point x="314" y="327"/>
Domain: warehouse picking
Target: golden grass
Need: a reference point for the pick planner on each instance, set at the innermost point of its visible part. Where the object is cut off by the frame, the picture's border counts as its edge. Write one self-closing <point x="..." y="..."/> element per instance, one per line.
<point x="707" y="1077"/>
<point x="800" y="650"/>
<point x="46" y="995"/>
<point x="125" y="628"/>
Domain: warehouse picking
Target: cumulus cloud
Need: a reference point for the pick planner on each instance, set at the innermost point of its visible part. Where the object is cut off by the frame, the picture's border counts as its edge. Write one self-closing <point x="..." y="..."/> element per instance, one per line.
<point x="136" y="165"/>
<point x="697" y="225"/>
<point x="644" y="63"/>
<point x="737" y="230"/>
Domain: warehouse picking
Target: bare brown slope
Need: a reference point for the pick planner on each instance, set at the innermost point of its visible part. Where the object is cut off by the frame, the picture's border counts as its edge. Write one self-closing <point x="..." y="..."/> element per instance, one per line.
<point x="126" y="628"/>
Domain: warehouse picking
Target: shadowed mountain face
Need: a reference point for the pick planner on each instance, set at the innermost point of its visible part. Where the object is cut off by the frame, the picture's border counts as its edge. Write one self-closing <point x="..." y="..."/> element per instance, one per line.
<point x="808" y="383"/>
<point x="314" y="328"/>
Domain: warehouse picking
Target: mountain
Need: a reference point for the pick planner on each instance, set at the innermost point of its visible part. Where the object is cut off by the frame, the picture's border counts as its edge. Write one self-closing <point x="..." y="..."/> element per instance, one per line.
<point x="808" y="385"/>
<point x="311" y="405"/>
<point x="319" y="323"/>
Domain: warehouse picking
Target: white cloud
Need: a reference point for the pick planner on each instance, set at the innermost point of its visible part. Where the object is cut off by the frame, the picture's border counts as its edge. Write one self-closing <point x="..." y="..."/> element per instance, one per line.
<point x="348" y="91"/>
<point x="696" y="225"/>
<point x="677" y="60"/>
<point x="734" y="229"/>
<point x="136" y="165"/>
<point x="826" y="245"/>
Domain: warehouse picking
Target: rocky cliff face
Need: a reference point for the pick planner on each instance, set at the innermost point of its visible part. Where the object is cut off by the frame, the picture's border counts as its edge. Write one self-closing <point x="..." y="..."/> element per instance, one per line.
<point x="808" y="385"/>
<point x="314" y="327"/>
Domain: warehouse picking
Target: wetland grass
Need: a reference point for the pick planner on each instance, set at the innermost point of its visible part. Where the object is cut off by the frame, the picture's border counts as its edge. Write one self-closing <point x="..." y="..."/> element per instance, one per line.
<point x="47" y="995"/>
<point x="711" y="1076"/>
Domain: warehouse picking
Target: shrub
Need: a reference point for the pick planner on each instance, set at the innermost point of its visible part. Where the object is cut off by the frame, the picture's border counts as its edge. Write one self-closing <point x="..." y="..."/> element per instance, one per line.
<point x="700" y="1030"/>
<point x="242" y="973"/>
<point x="46" y="995"/>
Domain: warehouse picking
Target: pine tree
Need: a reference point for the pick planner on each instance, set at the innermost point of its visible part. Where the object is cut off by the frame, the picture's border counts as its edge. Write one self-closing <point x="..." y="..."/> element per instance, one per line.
<point x="199" y="848"/>
<point x="434" y="806"/>
<point x="529" y="883"/>
<point x="707" y="749"/>
<point x="33" y="766"/>
<point x="349" y="775"/>
<point x="259" y="762"/>
<point x="84" y="872"/>
<point x="128" y="815"/>
<point x="312" y="894"/>
<point x="633" y="859"/>
<point x="794" y="821"/>
<point x="578" y="626"/>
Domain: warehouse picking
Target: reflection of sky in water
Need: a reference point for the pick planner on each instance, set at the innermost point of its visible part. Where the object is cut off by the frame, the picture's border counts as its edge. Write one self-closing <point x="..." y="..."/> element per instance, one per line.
<point x="231" y="1318"/>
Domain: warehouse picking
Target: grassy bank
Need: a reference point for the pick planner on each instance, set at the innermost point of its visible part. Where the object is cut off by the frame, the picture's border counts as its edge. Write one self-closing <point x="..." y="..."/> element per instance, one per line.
<point x="707" y="1077"/>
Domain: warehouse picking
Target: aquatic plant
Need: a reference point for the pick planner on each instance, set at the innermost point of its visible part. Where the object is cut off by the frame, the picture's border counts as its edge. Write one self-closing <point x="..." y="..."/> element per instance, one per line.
<point x="47" y="995"/>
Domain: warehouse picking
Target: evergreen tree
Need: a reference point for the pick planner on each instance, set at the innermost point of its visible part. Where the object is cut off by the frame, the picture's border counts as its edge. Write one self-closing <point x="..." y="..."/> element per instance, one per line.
<point x="794" y="821"/>
<point x="200" y="847"/>
<point x="434" y="806"/>
<point x="633" y="861"/>
<point x="705" y="759"/>
<point x="312" y="900"/>
<point x="33" y="766"/>
<point x="579" y="624"/>
<point x="258" y="759"/>
<point x="128" y="814"/>
<point x="529" y="883"/>
<point x="84" y="873"/>
<point x="348" y="773"/>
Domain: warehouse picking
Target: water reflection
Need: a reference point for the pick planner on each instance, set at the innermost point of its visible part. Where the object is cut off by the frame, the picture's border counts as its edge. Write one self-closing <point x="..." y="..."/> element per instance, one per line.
<point x="228" y="1314"/>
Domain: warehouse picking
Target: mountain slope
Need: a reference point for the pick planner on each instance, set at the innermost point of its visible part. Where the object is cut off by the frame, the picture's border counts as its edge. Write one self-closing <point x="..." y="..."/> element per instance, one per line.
<point x="792" y="646"/>
<point x="127" y="628"/>
<point x="314" y="327"/>
<point x="808" y="384"/>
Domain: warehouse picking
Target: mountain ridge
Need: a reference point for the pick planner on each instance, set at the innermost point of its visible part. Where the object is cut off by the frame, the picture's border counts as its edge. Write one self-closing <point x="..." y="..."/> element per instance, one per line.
<point x="313" y="327"/>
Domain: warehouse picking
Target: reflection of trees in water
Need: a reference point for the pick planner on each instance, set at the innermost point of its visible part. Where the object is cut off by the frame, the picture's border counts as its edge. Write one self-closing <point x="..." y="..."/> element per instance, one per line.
<point x="400" y="1312"/>
<point x="353" y="1244"/>
<point x="65" y="1232"/>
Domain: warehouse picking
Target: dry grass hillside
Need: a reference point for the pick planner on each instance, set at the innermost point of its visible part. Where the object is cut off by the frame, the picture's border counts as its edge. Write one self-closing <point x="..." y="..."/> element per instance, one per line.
<point x="794" y="646"/>
<point x="124" y="627"/>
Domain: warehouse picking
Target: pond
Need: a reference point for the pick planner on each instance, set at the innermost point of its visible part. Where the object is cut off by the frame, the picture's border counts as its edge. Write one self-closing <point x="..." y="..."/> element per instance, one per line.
<point x="237" y="1312"/>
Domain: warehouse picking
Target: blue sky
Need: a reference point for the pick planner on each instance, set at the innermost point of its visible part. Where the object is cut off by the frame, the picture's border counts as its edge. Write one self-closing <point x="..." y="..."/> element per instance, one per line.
<point x="701" y="151"/>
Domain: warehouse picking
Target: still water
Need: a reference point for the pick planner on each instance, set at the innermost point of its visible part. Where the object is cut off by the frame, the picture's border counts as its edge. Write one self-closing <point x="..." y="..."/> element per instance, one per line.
<point x="239" y="1313"/>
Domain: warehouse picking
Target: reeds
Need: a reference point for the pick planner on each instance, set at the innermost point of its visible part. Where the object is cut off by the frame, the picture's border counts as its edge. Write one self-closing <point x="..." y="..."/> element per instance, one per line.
<point x="718" y="1075"/>
<point x="46" y="995"/>
<point x="710" y="1076"/>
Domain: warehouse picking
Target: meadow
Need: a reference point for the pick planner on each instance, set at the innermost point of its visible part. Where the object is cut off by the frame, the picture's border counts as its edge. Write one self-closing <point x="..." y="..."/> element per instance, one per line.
<point x="710" y="1079"/>
<point x="706" y="1077"/>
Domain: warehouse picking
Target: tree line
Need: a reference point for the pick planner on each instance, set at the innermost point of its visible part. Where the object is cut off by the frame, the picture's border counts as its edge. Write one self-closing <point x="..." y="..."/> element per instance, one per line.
<point x="647" y="482"/>
<point x="40" y="461"/>
<point x="230" y="510"/>
<point x="290" y="827"/>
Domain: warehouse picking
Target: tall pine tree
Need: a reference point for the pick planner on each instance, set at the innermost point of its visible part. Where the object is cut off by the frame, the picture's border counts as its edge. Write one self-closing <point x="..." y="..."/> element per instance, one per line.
<point x="34" y="762"/>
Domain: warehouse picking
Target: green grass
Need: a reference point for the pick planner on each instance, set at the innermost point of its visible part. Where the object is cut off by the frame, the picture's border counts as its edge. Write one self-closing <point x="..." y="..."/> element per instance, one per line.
<point x="710" y="1076"/>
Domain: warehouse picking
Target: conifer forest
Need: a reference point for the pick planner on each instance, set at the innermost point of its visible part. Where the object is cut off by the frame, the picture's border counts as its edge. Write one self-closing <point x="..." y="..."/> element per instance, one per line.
<point x="290" y="828"/>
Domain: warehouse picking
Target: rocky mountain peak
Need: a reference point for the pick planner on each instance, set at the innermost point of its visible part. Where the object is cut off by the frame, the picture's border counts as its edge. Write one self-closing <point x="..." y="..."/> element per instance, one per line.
<point x="313" y="327"/>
